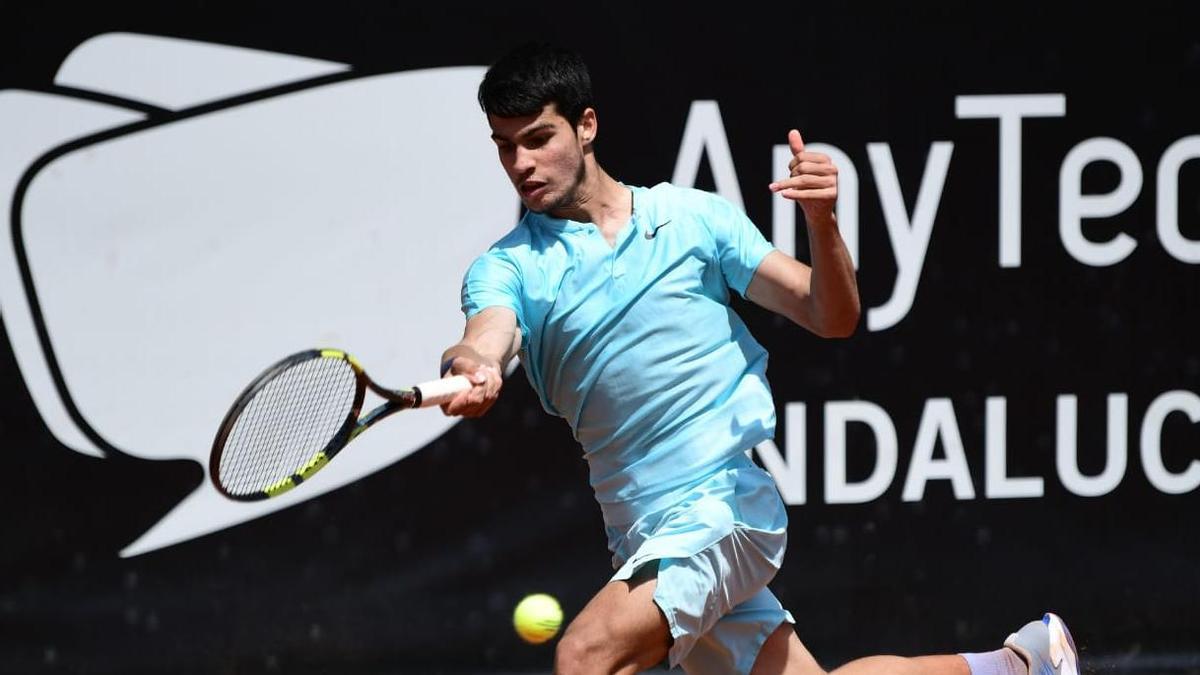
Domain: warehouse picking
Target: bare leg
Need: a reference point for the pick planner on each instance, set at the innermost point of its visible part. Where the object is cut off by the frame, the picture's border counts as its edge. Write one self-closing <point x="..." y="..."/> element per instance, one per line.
<point x="947" y="664"/>
<point x="621" y="630"/>
<point x="784" y="654"/>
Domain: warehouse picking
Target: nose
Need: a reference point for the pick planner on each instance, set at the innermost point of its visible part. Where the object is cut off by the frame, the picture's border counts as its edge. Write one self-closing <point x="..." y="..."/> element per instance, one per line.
<point x="522" y="161"/>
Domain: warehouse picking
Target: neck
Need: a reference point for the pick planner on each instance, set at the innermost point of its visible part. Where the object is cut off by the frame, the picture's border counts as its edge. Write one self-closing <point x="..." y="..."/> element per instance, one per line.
<point x="600" y="200"/>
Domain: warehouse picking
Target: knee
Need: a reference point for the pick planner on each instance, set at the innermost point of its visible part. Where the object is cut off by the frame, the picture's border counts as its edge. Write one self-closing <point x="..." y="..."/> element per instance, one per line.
<point x="596" y="648"/>
<point x="580" y="651"/>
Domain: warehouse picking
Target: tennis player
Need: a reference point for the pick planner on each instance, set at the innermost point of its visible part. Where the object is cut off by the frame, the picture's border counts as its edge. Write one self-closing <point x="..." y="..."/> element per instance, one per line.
<point x="616" y="297"/>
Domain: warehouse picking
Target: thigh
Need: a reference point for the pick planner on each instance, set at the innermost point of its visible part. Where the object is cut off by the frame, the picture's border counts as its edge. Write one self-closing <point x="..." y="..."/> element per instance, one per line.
<point x="740" y="637"/>
<point x="619" y="627"/>
<point x="721" y="593"/>
<point x="783" y="653"/>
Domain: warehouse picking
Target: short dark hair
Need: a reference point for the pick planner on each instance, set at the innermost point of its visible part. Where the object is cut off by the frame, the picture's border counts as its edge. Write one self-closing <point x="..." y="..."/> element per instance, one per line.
<point x="532" y="75"/>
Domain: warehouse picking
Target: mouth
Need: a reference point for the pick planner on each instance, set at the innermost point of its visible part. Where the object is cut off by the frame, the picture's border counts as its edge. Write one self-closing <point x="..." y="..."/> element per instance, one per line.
<point x="531" y="188"/>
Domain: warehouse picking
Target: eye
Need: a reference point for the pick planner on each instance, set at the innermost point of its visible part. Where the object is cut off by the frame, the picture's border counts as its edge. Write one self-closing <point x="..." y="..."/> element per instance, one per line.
<point x="537" y="141"/>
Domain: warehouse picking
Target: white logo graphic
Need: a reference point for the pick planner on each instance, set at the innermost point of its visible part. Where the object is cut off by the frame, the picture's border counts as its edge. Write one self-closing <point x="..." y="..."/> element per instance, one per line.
<point x="181" y="215"/>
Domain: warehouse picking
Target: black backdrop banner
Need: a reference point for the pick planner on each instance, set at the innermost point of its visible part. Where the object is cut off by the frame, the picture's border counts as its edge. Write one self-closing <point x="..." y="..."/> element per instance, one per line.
<point x="1014" y="428"/>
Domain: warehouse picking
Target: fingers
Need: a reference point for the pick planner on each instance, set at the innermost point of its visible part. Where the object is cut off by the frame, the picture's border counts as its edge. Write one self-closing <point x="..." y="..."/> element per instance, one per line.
<point x="805" y="182"/>
<point x="808" y="188"/>
<point x="795" y="141"/>
<point x="811" y="162"/>
<point x="810" y="196"/>
<point x="490" y="380"/>
<point x="479" y="398"/>
<point x="812" y="175"/>
<point x="455" y="406"/>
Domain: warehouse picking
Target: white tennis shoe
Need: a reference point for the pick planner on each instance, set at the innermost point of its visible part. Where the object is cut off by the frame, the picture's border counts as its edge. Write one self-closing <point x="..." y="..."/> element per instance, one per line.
<point x="1046" y="647"/>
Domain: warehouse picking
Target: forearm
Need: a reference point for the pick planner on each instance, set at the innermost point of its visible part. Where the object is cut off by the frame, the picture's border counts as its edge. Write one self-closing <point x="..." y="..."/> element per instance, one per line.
<point x="833" y="287"/>
<point x="463" y="349"/>
<point x="491" y="339"/>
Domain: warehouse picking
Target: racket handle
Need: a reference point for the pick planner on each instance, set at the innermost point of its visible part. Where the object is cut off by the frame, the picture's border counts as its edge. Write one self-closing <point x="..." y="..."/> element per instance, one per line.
<point x="437" y="392"/>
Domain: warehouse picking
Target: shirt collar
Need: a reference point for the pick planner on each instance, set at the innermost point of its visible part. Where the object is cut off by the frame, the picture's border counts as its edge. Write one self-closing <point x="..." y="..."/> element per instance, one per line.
<point x="567" y="225"/>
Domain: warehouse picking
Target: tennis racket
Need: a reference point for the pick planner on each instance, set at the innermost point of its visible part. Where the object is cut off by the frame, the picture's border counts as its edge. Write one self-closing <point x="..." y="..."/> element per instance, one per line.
<point x="297" y="415"/>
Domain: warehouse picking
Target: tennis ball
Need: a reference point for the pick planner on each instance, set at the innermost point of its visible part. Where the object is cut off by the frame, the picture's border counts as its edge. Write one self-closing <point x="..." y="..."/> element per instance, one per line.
<point x="537" y="618"/>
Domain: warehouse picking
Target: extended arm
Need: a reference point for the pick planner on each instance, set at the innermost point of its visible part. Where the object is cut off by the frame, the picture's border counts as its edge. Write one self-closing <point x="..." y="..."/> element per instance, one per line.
<point x="491" y="339"/>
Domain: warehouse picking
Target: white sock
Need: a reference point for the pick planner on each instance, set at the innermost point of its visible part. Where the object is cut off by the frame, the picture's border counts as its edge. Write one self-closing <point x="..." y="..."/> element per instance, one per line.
<point x="1003" y="661"/>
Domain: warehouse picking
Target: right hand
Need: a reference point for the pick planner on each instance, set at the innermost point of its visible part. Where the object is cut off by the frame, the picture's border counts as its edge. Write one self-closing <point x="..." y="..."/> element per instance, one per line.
<point x="476" y="401"/>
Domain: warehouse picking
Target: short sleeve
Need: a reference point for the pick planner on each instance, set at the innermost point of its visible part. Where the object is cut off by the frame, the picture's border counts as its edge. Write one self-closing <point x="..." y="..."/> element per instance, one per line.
<point x="740" y="246"/>
<point x="493" y="280"/>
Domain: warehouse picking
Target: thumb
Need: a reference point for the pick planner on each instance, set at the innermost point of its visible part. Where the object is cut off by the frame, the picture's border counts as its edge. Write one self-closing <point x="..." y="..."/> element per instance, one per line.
<point x="796" y="142"/>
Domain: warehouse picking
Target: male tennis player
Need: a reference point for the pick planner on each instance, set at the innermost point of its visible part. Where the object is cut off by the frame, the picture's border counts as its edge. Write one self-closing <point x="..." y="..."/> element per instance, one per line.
<point x="616" y="297"/>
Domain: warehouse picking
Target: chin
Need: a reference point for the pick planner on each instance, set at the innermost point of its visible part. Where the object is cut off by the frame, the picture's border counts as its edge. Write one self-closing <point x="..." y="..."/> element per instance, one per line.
<point x="535" y="208"/>
<point x="540" y="206"/>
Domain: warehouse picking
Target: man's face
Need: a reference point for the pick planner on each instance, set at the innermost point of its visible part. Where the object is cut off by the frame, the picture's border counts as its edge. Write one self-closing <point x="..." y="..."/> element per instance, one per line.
<point x="543" y="157"/>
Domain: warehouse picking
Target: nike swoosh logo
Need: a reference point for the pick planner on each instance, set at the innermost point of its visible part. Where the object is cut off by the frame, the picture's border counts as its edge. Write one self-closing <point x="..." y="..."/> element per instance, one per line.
<point x="650" y="234"/>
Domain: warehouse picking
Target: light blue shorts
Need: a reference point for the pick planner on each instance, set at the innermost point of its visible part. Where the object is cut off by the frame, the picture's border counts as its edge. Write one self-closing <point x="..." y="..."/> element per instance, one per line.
<point x="714" y="545"/>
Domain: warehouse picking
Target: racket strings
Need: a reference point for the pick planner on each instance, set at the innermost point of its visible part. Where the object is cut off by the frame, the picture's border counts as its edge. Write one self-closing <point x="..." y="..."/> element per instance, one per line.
<point x="292" y="418"/>
<point x="286" y="423"/>
<point x="321" y="414"/>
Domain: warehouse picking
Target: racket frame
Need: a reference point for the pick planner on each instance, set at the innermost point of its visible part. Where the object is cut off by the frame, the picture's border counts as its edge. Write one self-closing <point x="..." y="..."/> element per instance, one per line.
<point x="395" y="401"/>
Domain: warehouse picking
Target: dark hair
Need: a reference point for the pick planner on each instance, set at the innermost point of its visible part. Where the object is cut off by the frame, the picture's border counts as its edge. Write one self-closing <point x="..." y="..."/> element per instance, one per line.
<point x="532" y="75"/>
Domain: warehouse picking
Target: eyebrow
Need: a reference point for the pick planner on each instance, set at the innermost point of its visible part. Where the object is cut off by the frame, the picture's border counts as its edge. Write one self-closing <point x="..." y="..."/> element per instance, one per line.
<point x="528" y="132"/>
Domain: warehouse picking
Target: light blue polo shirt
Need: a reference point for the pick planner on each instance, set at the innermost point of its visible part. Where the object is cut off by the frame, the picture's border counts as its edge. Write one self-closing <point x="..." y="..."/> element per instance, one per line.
<point x="635" y="345"/>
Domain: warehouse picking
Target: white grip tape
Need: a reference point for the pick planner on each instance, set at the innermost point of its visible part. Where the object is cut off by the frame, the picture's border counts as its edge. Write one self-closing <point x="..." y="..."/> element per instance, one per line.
<point x="437" y="392"/>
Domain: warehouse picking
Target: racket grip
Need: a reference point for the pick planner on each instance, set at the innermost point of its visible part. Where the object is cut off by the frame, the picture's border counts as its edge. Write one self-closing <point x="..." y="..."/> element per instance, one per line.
<point x="437" y="392"/>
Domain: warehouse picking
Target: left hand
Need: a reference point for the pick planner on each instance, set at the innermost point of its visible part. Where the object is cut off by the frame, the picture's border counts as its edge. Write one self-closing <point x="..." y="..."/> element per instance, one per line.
<point x="813" y="183"/>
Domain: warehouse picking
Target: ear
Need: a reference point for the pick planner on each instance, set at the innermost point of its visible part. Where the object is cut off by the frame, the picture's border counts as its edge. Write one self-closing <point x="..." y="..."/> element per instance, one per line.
<point x="587" y="127"/>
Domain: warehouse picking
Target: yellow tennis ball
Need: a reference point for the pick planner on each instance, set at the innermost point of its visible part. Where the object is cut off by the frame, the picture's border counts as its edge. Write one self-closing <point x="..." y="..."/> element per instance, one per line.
<point x="537" y="618"/>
